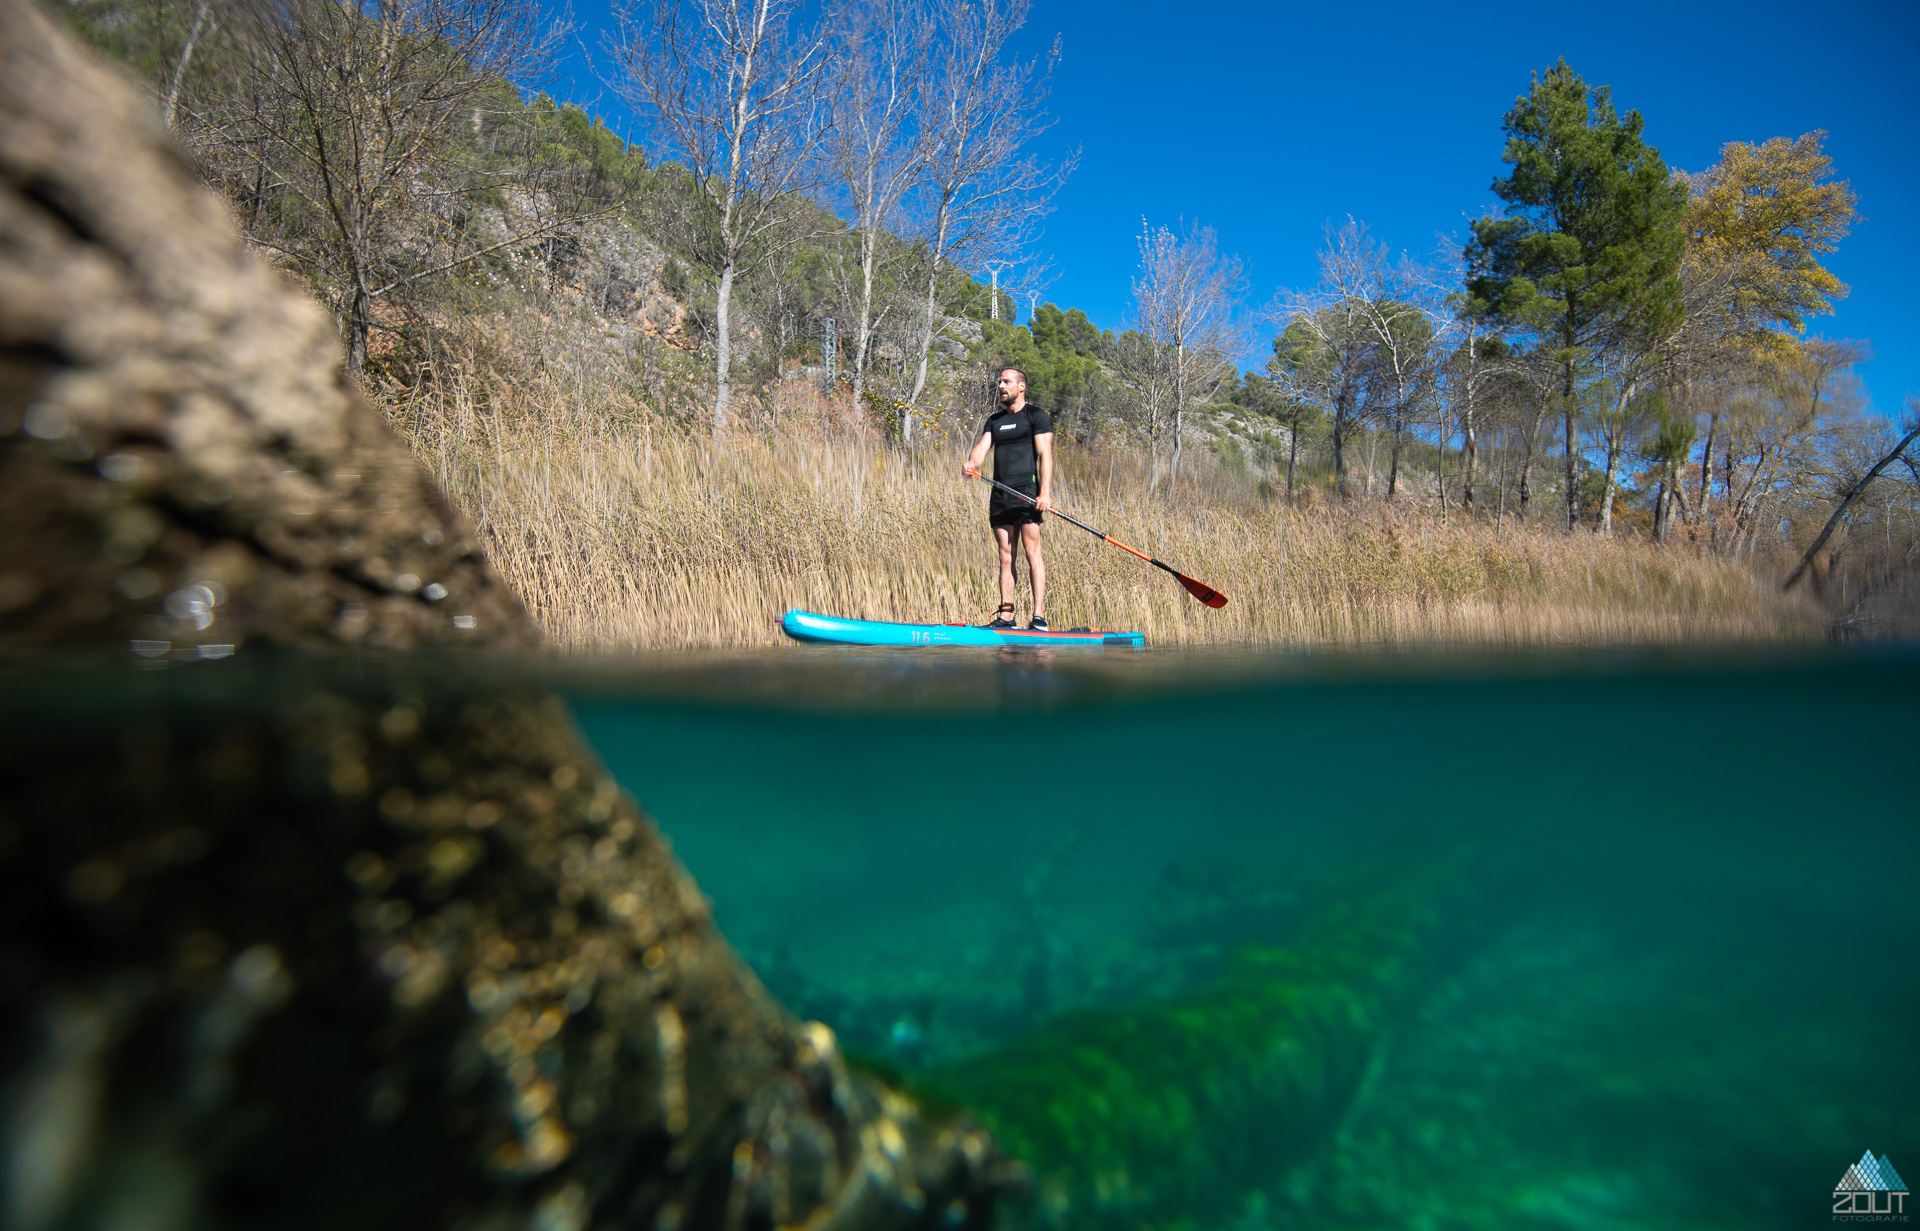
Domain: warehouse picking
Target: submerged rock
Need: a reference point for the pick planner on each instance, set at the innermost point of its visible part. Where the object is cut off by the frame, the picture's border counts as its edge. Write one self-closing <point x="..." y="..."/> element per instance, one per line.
<point x="339" y="948"/>
<point x="384" y="955"/>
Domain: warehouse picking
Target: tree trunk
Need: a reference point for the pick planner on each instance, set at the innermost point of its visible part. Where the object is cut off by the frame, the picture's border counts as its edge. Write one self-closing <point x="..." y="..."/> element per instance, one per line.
<point x="1616" y="436"/>
<point x="926" y="332"/>
<point x="1153" y="439"/>
<point x="1500" y="483"/>
<point x="863" y="335"/>
<point x="359" y="324"/>
<point x="1340" y="450"/>
<point x="1179" y="413"/>
<point x="1706" y="470"/>
<point x="1573" y="487"/>
<point x="180" y="69"/>
<point x="1606" y="500"/>
<point x="1726" y="480"/>
<point x="722" y="384"/>
<point x="731" y="241"/>
<point x="926" y="339"/>
<point x="1293" y="448"/>
<point x="1469" y="454"/>
<point x="256" y="198"/>
<point x="1526" y="464"/>
<point x="1393" y="463"/>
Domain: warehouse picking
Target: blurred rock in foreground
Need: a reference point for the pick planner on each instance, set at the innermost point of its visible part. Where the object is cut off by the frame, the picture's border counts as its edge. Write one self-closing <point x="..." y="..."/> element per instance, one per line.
<point x="347" y="954"/>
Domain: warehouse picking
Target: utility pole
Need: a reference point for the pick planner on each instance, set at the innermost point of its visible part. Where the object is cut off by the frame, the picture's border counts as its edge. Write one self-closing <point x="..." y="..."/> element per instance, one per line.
<point x="993" y="302"/>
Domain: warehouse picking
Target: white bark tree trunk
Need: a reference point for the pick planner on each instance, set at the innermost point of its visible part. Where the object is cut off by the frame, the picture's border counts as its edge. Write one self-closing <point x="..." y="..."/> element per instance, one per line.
<point x="723" y="365"/>
<point x="180" y="68"/>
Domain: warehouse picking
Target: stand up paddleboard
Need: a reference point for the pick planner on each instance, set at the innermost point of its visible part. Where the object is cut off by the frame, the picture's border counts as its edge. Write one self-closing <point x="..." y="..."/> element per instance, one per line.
<point x="834" y="630"/>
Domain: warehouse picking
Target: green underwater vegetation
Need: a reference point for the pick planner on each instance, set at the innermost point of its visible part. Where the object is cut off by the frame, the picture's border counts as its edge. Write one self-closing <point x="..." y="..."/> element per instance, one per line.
<point x="1177" y="1109"/>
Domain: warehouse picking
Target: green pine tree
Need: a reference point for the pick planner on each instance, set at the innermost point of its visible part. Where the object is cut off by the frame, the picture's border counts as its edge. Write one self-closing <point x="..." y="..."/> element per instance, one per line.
<point x="1588" y="254"/>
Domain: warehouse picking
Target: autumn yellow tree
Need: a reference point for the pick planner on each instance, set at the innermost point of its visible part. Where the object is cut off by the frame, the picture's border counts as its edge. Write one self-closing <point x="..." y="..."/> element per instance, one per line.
<point x="1758" y="222"/>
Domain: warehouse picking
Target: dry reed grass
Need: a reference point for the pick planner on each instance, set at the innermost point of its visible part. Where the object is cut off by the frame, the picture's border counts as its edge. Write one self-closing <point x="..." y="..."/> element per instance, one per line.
<point x="628" y="534"/>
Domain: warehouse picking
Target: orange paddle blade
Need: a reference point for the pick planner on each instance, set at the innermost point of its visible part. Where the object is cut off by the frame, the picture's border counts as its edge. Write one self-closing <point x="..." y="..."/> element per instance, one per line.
<point x="1202" y="591"/>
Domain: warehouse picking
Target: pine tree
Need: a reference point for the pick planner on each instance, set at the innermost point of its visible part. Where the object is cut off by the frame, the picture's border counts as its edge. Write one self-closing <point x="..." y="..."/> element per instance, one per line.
<point x="1588" y="254"/>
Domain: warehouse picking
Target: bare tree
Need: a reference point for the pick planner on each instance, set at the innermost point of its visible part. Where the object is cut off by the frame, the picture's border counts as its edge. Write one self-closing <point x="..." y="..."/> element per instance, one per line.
<point x="981" y="197"/>
<point x="1714" y="339"/>
<point x="1402" y="313"/>
<point x="734" y="89"/>
<point x="876" y="152"/>
<point x="1325" y="350"/>
<point x="1184" y="301"/>
<point x="200" y="15"/>
<point x="356" y="109"/>
<point x="1858" y="489"/>
<point x="1479" y="361"/>
<point x="1774" y="434"/>
<point x="1147" y="377"/>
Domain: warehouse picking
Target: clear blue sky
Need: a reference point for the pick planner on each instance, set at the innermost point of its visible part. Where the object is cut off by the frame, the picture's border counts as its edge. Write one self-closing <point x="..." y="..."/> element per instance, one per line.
<point x="1268" y="120"/>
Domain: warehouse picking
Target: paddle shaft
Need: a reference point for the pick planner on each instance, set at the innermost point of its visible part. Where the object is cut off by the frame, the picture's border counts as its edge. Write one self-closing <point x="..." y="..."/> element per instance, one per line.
<point x="1099" y="534"/>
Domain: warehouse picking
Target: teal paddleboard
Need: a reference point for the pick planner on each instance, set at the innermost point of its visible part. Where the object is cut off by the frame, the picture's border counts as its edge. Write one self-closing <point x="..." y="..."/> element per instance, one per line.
<point x="836" y="630"/>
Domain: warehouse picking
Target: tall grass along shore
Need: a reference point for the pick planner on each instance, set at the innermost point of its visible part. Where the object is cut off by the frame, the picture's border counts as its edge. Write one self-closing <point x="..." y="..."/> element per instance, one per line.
<point x="624" y="532"/>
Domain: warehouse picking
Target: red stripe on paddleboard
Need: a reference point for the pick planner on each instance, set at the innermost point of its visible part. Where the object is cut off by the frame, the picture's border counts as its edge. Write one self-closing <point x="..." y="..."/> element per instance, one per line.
<point x="1059" y="635"/>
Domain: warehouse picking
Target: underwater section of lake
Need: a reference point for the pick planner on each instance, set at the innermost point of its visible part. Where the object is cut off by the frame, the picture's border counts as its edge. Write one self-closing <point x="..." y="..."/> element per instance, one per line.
<point x="1236" y="940"/>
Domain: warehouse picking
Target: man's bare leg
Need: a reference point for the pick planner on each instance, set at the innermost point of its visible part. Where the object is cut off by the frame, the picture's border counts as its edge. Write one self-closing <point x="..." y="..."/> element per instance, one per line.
<point x="1004" y="536"/>
<point x="1036" y="569"/>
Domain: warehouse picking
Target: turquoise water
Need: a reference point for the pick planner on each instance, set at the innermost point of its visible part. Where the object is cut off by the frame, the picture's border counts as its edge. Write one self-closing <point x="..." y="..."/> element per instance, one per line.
<point x="1232" y="941"/>
<point x="1659" y="970"/>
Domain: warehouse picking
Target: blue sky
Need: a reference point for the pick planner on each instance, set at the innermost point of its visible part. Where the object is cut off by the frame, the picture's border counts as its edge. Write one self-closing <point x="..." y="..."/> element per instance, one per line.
<point x="1266" y="121"/>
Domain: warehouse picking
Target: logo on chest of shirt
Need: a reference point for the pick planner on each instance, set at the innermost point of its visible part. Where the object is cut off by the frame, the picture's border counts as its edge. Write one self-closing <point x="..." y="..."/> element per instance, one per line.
<point x="1008" y="427"/>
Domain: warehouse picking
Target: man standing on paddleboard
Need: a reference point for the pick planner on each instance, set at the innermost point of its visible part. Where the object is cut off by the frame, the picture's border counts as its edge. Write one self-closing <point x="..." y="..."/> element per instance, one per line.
<point x="1021" y="437"/>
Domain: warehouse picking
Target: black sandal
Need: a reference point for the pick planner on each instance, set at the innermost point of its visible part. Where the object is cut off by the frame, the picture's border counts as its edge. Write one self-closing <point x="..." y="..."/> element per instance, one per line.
<point x="1002" y="618"/>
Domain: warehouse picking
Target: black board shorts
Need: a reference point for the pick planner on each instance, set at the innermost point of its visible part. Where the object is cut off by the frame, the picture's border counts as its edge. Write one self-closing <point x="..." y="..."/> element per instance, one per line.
<point x="1010" y="510"/>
